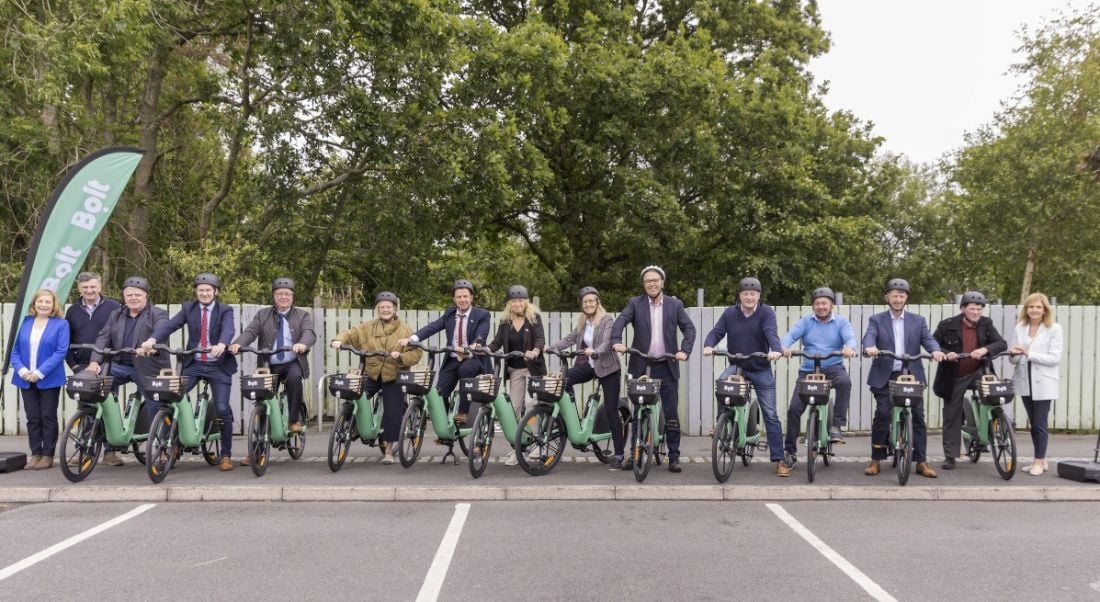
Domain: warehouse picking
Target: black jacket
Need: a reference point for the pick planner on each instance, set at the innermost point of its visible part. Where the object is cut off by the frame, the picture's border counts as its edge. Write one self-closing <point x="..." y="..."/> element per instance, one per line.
<point x="534" y="337"/>
<point x="949" y="335"/>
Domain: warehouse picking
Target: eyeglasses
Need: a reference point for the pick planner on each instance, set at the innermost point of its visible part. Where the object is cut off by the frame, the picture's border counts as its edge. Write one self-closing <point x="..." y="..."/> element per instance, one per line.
<point x="651" y="281"/>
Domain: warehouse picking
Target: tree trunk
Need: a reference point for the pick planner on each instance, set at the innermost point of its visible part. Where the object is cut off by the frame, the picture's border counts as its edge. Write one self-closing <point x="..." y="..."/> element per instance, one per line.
<point x="1029" y="271"/>
<point x="137" y="227"/>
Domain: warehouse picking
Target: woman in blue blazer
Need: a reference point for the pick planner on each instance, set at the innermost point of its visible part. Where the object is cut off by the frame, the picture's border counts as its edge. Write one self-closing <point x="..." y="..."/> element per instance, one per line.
<point x="38" y="358"/>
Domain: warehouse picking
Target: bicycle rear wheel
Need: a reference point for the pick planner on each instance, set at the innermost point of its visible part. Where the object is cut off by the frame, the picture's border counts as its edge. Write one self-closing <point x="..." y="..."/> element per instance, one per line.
<point x="481" y="440"/>
<point x="723" y="449"/>
<point x="1004" y="445"/>
<point x="80" y="446"/>
<point x="903" y="449"/>
<point x="813" y="426"/>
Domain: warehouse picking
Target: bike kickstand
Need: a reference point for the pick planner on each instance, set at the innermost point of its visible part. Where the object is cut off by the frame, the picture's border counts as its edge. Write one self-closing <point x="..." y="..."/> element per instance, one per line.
<point x="450" y="452"/>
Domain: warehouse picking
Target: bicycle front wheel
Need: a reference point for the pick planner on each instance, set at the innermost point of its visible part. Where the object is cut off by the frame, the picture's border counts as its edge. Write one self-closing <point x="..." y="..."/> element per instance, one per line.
<point x="80" y="446"/>
<point x="411" y="434"/>
<point x="903" y="449"/>
<point x="162" y="446"/>
<point x="481" y="442"/>
<point x="813" y="430"/>
<point x="643" y="445"/>
<point x="259" y="446"/>
<point x="1004" y="446"/>
<point x="339" y="440"/>
<point x="540" y="441"/>
<point x="723" y="449"/>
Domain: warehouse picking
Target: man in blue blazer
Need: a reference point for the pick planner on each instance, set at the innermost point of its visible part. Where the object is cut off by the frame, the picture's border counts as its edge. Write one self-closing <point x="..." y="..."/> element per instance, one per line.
<point x="209" y="324"/>
<point x="655" y="318"/>
<point x="901" y="332"/>
<point x="465" y="325"/>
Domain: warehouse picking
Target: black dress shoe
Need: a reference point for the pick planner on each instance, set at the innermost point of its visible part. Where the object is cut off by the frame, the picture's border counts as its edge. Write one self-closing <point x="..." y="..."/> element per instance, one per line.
<point x="948" y="463"/>
<point x="674" y="466"/>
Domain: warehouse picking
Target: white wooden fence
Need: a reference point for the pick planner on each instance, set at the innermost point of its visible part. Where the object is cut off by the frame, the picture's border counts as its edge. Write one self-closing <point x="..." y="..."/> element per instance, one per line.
<point x="1075" y="409"/>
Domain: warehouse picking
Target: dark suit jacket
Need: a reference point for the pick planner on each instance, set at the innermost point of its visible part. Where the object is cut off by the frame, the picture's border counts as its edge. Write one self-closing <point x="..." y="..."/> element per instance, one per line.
<point x="220" y="331"/>
<point x="264" y="326"/>
<point x="147" y="321"/>
<point x="477" y="331"/>
<point x="949" y="335"/>
<point x="880" y="333"/>
<point x="636" y="313"/>
<point x="534" y="337"/>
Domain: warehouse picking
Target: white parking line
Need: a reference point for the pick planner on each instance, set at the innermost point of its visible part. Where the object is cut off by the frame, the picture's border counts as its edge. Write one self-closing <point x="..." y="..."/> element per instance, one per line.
<point x="30" y="561"/>
<point x="849" y="569"/>
<point x="433" y="582"/>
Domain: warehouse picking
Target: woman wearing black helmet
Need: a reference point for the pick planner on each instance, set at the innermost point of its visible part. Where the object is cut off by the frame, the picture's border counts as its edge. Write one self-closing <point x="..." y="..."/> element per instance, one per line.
<point x="520" y="329"/>
<point x="592" y="335"/>
<point x="382" y="334"/>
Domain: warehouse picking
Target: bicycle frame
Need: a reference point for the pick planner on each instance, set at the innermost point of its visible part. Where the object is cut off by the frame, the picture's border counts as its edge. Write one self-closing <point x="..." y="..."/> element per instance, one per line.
<point x="188" y="418"/>
<point x="119" y="427"/>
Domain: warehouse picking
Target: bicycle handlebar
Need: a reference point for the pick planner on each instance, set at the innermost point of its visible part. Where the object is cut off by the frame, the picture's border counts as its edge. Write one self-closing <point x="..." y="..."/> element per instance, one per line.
<point x="965" y="355"/>
<point x="739" y="357"/>
<point x="181" y="352"/>
<point x="355" y="351"/>
<point x="105" y="352"/>
<point x="496" y="354"/>
<point x="565" y="355"/>
<point x="436" y="350"/>
<point x="262" y="352"/>
<point x="652" y="358"/>
<point x="902" y="356"/>
<point x="817" y="356"/>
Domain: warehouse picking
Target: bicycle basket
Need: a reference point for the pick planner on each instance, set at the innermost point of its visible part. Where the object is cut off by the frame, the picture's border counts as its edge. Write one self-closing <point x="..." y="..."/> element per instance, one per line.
<point x="732" y="391"/>
<point x="995" y="392"/>
<point x="259" y="386"/>
<point x="547" y="388"/>
<point x="481" y="389"/>
<point x="166" y="388"/>
<point x="813" y="389"/>
<point x="415" y="382"/>
<point x="906" y="391"/>
<point x="644" y="390"/>
<point x="347" y="386"/>
<point x="88" y="387"/>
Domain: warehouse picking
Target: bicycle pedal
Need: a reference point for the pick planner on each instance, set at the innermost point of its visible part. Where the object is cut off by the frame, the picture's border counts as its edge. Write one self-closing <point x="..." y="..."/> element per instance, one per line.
<point x="762" y="446"/>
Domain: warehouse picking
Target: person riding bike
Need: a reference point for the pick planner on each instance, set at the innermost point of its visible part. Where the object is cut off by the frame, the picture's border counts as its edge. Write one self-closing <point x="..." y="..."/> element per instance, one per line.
<point x="128" y="326"/>
<point x="967" y="332"/>
<point x="209" y="324"/>
<point x="384" y="333"/>
<point x="750" y="327"/>
<point x="283" y="325"/>
<point x="592" y="335"/>
<point x="903" y="333"/>
<point x="668" y="314"/>
<point x="821" y="332"/>
<point x="466" y="325"/>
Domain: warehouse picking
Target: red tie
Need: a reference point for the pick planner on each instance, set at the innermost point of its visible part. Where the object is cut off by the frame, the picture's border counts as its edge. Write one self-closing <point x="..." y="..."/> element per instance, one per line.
<point x="461" y="330"/>
<point x="203" y="334"/>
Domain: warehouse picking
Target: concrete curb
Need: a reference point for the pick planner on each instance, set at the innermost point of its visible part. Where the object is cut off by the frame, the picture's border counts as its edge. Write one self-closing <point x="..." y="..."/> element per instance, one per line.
<point x="368" y="493"/>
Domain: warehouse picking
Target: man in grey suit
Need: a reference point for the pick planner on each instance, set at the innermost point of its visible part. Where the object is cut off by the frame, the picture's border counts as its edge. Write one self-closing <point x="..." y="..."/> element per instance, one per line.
<point x="128" y="326"/>
<point x="905" y="333"/>
<point x="283" y="325"/>
<point x="655" y="318"/>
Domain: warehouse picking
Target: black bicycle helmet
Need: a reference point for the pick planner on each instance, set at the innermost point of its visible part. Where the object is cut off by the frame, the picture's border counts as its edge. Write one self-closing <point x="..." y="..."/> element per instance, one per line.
<point x="462" y="283"/>
<point x="749" y="284"/>
<point x="517" y="291"/>
<point x="588" y="290"/>
<point x="207" y="278"/>
<point x="973" y="297"/>
<point x="386" y="296"/>
<point x="823" y="291"/>
<point x="897" y="284"/>
<point x="653" y="268"/>
<point x="279" y="283"/>
<point x="136" y="282"/>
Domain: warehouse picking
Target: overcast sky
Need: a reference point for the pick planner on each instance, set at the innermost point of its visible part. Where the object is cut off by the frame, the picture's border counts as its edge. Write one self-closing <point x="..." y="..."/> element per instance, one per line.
<point x="925" y="71"/>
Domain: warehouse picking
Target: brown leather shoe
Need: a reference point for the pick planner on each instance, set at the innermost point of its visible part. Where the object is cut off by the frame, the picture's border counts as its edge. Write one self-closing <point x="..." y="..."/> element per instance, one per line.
<point x="782" y="470"/>
<point x="872" y="468"/>
<point x="32" y="463"/>
<point x="112" y="459"/>
<point x="44" y="463"/>
<point x="461" y="418"/>
<point x="924" y="470"/>
<point x="295" y="427"/>
<point x="246" y="461"/>
<point x="225" y="464"/>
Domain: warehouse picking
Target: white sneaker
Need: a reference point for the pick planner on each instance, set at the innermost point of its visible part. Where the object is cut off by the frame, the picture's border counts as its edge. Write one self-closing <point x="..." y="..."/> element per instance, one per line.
<point x="1035" y="470"/>
<point x="510" y="459"/>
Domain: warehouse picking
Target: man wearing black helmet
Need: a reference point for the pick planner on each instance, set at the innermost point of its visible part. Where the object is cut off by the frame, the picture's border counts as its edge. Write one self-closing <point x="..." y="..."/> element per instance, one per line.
<point x="283" y="325"/>
<point x="968" y="332"/>
<point x="128" y="326"/>
<point x="821" y="332"/>
<point x="750" y="327"/>
<point x="465" y="325"/>
<point x="209" y="324"/>
<point x="655" y="318"/>
<point x="905" y="333"/>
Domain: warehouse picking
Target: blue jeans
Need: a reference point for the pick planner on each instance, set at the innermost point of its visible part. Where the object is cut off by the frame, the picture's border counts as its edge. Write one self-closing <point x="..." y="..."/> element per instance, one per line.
<point x="221" y="385"/>
<point x="763" y="381"/>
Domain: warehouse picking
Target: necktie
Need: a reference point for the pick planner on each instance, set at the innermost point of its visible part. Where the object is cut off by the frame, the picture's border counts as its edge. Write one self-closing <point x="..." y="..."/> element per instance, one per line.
<point x="462" y="330"/>
<point x="204" y="327"/>
<point x="280" y="339"/>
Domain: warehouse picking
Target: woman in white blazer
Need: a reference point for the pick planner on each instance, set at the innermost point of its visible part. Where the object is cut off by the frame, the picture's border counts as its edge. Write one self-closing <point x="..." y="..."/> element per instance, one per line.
<point x="1039" y="339"/>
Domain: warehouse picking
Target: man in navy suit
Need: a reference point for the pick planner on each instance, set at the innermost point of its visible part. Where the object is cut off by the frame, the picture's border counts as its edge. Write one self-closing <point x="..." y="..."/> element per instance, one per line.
<point x="465" y="325"/>
<point x="209" y="324"/>
<point x="655" y="318"/>
<point x="903" y="333"/>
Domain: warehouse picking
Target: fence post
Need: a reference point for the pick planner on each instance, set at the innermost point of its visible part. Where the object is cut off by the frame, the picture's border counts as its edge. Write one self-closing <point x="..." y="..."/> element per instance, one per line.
<point x="317" y="360"/>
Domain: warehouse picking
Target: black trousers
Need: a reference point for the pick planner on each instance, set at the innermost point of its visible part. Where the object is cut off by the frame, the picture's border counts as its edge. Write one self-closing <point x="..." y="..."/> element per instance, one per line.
<point x="953" y="414"/>
<point x="41" y="408"/>
<point x="393" y="406"/>
<point x="582" y="373"/>
<point x="291" y="373"/>
<point x="451" y="373"/>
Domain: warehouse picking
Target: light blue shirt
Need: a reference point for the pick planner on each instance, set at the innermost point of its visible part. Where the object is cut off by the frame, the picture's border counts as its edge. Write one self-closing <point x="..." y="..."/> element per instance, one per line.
<point x="899" y="338"/>
<point x="819" y="338"/>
